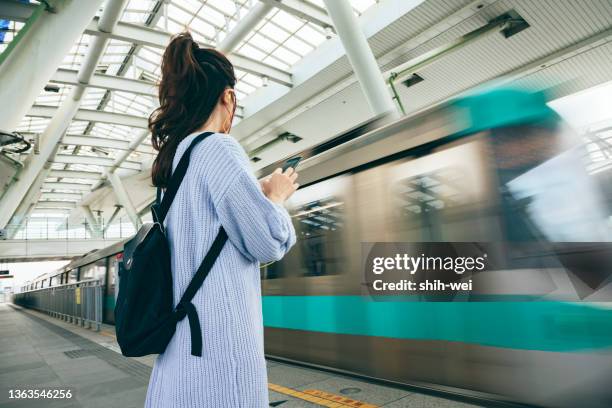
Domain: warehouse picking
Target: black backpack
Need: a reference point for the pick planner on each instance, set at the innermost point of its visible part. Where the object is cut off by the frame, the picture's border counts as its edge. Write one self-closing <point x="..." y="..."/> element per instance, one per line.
<point x="145" y="317"/>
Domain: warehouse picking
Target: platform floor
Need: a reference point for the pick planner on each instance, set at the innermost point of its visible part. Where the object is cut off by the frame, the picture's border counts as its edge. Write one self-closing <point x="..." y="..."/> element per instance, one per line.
<point x="41" y="352"/>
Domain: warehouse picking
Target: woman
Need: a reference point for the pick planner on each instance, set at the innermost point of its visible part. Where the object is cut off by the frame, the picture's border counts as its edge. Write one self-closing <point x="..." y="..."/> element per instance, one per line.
<point x="196" y="94"/>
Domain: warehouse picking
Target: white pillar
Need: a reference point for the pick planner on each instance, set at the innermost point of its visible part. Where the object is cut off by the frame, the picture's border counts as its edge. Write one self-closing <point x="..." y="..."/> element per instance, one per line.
<point x="360" y="55"/>
<point x="45" y="41"/>
<point x="124" y="198"/>
<point x="244" y="26"/>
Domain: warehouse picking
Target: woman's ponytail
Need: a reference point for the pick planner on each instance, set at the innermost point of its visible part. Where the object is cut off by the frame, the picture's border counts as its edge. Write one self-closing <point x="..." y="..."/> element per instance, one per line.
<point x="192" y="80"/>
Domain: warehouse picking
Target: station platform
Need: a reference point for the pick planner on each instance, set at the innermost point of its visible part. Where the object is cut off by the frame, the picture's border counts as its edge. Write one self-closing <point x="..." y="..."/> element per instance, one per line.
<point x="41" y="352"/>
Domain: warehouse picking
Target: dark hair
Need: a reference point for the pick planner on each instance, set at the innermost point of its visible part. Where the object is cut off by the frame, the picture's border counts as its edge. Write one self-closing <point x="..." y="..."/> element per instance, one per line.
<point x="192" y="81"/>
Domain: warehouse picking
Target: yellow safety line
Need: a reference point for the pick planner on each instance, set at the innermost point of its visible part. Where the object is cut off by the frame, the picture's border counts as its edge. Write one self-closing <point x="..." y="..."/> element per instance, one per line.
<point x="108" y="334"/>
<point x="321" y="398"/>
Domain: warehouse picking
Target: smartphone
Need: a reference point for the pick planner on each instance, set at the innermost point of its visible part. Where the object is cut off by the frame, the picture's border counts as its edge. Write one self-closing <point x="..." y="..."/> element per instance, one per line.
<point x="292" y="162"/>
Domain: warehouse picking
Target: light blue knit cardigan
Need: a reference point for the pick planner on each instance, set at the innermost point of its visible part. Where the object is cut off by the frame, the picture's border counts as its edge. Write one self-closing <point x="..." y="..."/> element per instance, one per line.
<point x="220" y="189"/>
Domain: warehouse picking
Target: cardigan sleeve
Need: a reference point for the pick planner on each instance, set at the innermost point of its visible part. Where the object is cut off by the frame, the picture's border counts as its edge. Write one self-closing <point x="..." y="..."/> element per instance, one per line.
<point x="260" y="229"/>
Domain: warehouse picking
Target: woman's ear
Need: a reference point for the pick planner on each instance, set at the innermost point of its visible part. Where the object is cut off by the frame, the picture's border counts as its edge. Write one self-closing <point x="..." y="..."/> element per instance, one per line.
<point x="227" y="96"/>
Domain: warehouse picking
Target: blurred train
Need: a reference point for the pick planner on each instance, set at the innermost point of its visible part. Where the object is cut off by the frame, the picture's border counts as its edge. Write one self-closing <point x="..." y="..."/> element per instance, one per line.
<point x="494" y="167"/>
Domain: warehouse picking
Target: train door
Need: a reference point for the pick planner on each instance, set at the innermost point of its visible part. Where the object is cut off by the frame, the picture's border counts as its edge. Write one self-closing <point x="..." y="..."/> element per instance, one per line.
<point x="109" y="291"/>
<point x="318" y="266"/>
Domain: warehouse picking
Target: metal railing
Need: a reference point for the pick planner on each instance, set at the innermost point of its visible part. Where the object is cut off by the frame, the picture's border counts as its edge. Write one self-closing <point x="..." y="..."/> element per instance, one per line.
<point x="78" y="303"/>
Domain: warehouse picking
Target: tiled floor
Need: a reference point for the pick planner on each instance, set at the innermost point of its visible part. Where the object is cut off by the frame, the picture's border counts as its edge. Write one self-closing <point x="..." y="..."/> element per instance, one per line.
<point x="37" y="351"/>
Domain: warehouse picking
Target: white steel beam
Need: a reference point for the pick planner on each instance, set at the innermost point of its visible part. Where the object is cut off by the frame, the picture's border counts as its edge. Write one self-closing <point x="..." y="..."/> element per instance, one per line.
<point x="71" y="197"/>
<point x="108" y="143"/>
<point x="301" y="9"/>
<point x="254" y="67"/>
<point x="38" y="50"/>
<point x="86" y="140"/>
<point x="65" y="205"/>
<point x="95" y="161"/>
<point x="110" y="82"/>
<point x="90" y="115"/>
<point x="66" y="186"/>
<point x="75" y="174"/>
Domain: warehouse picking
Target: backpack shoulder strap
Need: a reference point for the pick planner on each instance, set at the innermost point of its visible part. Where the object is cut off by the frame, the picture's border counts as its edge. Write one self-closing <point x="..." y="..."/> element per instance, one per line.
<point x="185" y="307"/>
<point x="160" y="209"/>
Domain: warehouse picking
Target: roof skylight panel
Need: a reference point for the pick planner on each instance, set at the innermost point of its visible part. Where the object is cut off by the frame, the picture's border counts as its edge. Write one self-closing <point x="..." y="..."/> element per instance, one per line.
<point x="179" y="14"/>
<point x="50" y="98"/>
<point x="274" y="31"/>
<point x="286" y="55"/>
<point x="77" y="127"/>
<point x="311" y="34"/>
<point x="111" y="131"/>
<point x="138" y="11"/>
<point x="359" y="6"/>
<point x="31" y="124"/>
<point x="203" y="31"/>
<point x="92" y="98"/>
<point x="75" y="57"/>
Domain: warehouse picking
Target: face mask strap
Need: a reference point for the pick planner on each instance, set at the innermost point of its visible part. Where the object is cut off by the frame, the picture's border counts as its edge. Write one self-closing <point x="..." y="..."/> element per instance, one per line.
<point x="231" y="120"/>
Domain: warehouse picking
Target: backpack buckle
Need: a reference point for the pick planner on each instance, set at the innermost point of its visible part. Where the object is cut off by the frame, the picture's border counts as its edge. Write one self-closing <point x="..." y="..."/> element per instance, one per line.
<point x="180" y="312"/>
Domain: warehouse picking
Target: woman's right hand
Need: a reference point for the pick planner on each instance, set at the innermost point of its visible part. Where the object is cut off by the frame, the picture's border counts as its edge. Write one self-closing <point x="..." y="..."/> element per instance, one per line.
<point x="279" y="186"/>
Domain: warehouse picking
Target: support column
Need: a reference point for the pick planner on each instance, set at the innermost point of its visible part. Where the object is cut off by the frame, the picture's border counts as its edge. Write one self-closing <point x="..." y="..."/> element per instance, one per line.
<point x="35" y="164"/>
<point x="39" y="49"/>
<point x="244" y="27"/>
<point x="124" y="198"/>
<point x="94" y="227"/>
<point x="112" y="218"/>
<point x="360" y="55"/>
<point x="26" y="206"/>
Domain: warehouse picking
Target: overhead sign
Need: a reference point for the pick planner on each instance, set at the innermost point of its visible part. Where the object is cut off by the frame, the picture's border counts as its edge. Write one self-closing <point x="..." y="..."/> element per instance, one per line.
<point x="4" y="272"/>
<point x="6" y="276"/>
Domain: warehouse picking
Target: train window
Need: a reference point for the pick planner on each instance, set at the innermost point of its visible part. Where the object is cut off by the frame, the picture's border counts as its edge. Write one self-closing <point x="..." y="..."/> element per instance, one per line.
<point x="318" y="215"/>
<point x="113" y="271"/>
<point x="441" y="196"/>
<point x="72" y="276"/>
<point x="96" y="270"/>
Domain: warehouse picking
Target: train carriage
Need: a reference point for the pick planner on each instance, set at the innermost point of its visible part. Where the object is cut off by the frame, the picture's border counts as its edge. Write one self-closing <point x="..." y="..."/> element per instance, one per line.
<point x="492" y="167"/>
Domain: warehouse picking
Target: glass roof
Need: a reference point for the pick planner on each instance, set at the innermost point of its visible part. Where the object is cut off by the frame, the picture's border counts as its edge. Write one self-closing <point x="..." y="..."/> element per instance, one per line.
<point x="279" y="40"/>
